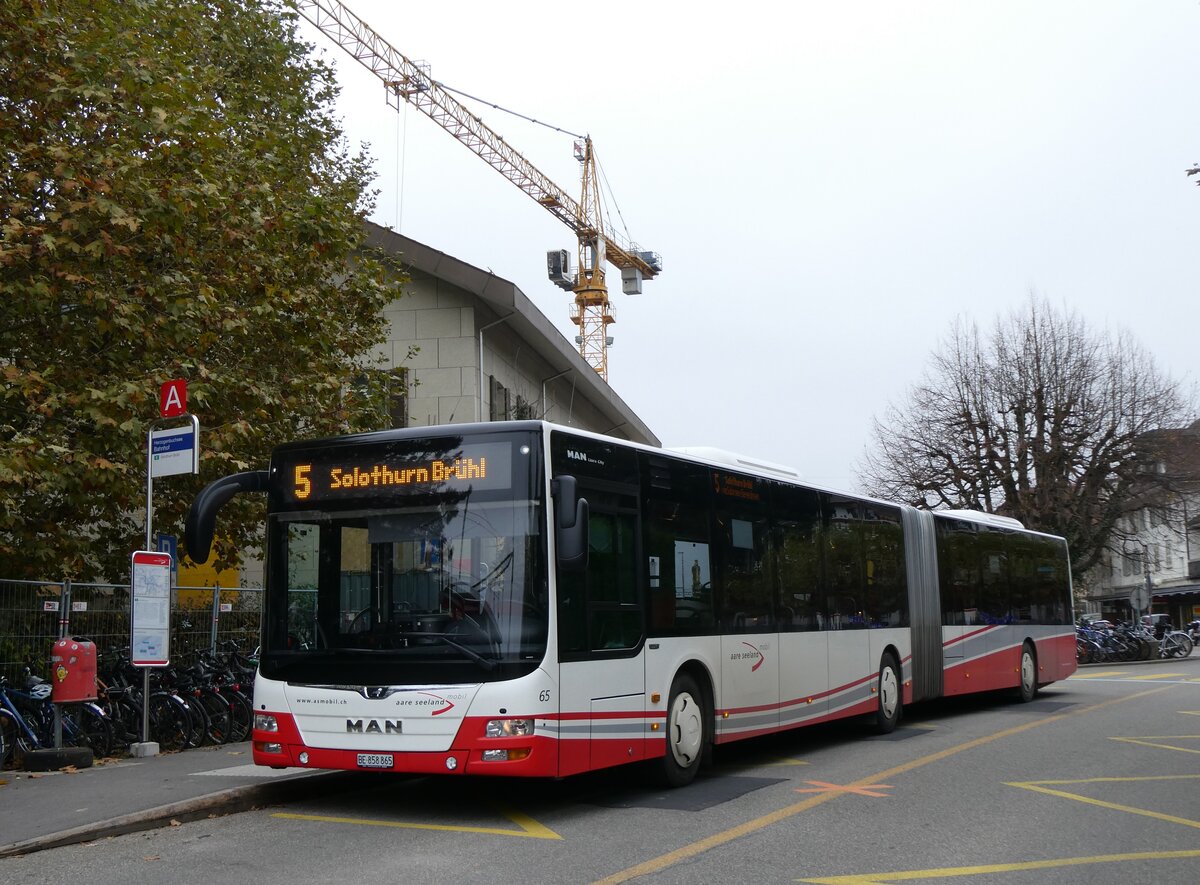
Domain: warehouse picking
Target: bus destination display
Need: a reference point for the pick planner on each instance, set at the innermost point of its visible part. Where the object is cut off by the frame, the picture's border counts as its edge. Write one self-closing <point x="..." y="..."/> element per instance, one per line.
<point x="368" y="474"/>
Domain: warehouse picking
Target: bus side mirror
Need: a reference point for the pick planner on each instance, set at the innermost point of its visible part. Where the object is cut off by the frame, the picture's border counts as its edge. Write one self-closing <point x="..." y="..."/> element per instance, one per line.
<point x="571" y="524"/>
<point x="202" y="515"/>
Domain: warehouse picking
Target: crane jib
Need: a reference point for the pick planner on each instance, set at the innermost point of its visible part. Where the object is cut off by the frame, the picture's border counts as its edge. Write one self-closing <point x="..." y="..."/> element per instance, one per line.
<point x="411" y="83"/>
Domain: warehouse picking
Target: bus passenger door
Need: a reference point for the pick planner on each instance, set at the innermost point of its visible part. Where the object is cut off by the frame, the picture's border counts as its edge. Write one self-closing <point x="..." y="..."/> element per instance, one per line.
<point x="601" y="637"/>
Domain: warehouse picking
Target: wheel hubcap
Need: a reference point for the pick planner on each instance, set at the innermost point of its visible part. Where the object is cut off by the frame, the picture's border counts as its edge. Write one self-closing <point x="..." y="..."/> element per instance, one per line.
<point x="889" y="692"/>
<point x="685" y="729"/>
<point x="1027" y="675"/>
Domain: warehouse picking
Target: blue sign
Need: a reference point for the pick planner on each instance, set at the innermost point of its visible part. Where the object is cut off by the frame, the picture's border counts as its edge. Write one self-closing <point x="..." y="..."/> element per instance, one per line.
<point x="168" y="544"/>
<point x="174" y="451"/>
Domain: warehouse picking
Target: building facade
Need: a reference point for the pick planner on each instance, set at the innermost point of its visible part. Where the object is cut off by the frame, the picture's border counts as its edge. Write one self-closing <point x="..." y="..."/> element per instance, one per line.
<point x="1157" y="553"/>
<point x="467" y="345"/>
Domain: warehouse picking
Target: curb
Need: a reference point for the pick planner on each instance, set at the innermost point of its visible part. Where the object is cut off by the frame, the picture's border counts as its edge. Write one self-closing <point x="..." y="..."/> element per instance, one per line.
<point x="228" y="801"/>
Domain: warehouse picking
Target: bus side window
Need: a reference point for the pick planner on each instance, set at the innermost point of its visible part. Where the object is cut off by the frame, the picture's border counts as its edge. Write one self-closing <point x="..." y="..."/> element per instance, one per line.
<point x="744" y="566"/>
<point x="796" y="545"/>
<point x="676" y="547"/>
<point x="845" y="605"/>
<point x="883" y="567"/>
<point x="959" y="576"/>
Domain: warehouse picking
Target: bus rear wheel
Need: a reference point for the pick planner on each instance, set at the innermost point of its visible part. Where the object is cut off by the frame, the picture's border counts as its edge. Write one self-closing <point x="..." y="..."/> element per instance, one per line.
<point x="687" y="732"/>
<point x="890" y="700"/>
<point x="1027" y="688"/>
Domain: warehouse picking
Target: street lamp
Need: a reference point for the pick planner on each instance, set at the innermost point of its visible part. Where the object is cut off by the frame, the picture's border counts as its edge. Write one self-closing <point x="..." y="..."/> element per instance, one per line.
<point x="1141" y="597"/>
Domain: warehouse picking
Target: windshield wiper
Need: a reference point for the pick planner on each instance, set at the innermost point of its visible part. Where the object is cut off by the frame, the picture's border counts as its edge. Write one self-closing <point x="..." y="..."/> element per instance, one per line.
<point x="486" y="663"/>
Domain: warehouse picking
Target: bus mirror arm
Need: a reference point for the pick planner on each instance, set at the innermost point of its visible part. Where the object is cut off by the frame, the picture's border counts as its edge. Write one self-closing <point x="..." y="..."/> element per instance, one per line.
<point x="202" y="515"/>
<point x="572" y="520"/>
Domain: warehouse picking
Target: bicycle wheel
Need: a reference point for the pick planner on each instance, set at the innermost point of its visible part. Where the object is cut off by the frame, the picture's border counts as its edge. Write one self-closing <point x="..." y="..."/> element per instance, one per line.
<point x="170" y="722"/>
<point x="1083" y="654"/>
<point x="85" y="725"/>
<point x="17" y="743"/>
<point x="125" y="713"/>
<point x="8" y="737"/>
<point x="242" y="715"/>
<point x="219" y="726"/>
<point x="198" y="718"/>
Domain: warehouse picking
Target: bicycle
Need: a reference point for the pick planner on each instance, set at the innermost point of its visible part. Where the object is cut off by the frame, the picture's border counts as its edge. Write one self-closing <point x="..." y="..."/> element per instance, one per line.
<point x="170" y="718"/>
<point x="1174" y="643"/>
<point x="27" y="722"/>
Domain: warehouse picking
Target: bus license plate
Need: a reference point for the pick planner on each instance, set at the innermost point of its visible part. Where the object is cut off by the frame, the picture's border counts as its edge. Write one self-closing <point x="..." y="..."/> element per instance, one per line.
<point x="374" y="760"/>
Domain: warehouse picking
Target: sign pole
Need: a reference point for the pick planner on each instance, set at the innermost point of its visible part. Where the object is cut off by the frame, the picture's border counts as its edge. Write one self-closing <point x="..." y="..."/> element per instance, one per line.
<point x="146" y="748"/>
<point x="149" y="487"/>
<point x="167" y="452"/>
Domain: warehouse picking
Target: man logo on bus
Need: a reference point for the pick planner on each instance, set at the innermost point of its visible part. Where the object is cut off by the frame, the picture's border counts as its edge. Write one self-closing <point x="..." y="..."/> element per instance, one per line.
<point x="372" y="726"/>
<point x="577" y="455"/>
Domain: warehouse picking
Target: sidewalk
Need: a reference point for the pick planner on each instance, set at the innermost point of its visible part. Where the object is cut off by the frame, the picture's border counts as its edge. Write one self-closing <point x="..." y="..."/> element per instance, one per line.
<point x="46" y="810"/>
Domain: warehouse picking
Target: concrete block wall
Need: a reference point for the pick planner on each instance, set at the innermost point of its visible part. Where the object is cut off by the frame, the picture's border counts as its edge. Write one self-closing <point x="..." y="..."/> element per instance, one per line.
<point x="432" y="331"/>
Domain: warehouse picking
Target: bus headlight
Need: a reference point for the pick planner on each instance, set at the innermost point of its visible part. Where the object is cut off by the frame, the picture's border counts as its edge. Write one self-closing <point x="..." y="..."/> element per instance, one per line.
<point x="504" y="728"/>
<point x="265" y="722"/>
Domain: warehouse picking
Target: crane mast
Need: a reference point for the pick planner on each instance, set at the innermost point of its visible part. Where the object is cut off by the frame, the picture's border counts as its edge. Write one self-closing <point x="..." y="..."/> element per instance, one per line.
<point x="406" y="81"/>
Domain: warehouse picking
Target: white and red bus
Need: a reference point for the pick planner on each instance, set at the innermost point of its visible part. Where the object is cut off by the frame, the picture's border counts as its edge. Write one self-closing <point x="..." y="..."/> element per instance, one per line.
<point x="526" y="599"/>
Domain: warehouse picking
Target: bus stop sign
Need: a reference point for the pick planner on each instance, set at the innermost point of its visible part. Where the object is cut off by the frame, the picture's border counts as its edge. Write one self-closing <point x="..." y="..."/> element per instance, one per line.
<point x="172" y="398"/>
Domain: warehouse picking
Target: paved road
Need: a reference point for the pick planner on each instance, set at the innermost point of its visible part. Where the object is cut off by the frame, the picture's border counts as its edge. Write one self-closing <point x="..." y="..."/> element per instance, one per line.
<point x="1094" y="782"/>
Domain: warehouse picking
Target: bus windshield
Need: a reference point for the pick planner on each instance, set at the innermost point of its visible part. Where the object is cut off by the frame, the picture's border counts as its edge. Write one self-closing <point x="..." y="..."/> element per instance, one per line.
<point x="420" y="588"/>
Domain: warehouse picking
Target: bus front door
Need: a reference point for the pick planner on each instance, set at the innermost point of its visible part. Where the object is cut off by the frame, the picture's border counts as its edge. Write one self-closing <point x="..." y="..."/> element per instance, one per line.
<point x="601" y="637"/>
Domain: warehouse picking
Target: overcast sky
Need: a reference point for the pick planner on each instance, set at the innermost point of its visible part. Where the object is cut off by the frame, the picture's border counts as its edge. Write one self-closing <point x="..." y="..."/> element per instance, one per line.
<point x="829" y="185"/>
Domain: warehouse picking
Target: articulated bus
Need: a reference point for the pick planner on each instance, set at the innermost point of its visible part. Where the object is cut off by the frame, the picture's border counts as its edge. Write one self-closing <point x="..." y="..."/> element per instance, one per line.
<point x="526" y="599"/>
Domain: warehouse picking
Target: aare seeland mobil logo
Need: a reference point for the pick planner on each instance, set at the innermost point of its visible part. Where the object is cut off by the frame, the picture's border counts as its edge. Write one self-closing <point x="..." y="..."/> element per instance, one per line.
<point x="753" y="653"/>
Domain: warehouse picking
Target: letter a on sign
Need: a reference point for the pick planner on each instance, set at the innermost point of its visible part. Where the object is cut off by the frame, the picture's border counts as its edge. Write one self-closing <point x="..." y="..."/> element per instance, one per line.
<point x="172" y="398"/>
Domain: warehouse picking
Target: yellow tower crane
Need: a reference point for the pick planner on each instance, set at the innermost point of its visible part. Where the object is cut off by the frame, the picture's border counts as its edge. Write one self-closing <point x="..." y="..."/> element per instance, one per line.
<point x="409" y="82"/>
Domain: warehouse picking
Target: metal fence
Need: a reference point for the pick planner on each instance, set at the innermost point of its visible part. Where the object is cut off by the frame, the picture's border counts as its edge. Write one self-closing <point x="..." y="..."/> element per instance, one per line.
<point x="34" y="614"/>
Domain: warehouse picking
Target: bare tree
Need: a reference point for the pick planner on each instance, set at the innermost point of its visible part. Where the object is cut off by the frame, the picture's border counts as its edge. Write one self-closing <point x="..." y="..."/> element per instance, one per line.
<point x="1042" y="419"/>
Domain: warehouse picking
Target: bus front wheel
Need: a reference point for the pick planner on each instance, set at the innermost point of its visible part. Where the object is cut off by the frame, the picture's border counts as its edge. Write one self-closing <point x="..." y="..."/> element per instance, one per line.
<point x="889" y="708"/>
<point x="687" y="732"/>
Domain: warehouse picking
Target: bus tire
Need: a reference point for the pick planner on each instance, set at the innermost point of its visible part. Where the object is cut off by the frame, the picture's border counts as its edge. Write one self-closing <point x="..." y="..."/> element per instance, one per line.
<point x="1028" y="686"/>
<point x="890" y="704"/>
<point x="687" y="732"/>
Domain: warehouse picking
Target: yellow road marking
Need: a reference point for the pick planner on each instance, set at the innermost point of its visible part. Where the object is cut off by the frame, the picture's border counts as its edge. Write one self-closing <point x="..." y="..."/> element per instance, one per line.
<point x="1150" y="676"/>
<point x="789" y="762"/>
<point x="1042" y="787"/>
<point x="1078" y="674"/>
<point x="529" y="828"/>
<point x="950" y="872"/>
<point x="685" y="852"/>
<point x="1115" y="780"/>
<point x="1149" y="742"/>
